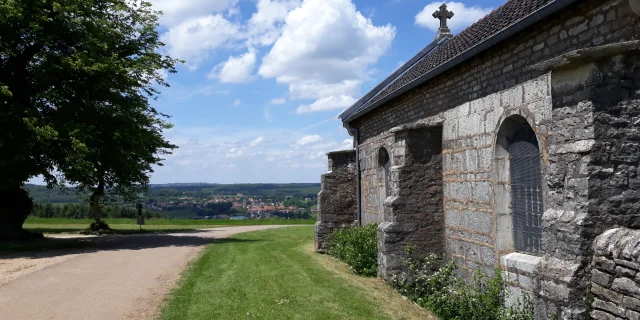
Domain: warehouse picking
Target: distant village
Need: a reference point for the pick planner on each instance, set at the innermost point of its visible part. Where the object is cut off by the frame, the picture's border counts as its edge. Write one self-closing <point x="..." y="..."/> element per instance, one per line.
<point x="238" y="207"/>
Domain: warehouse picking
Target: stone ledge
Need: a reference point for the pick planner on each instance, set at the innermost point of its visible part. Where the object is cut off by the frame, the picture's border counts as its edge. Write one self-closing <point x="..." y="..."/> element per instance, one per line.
<point x="586" y="55"/>
<point x="520" y="262"/>
<point x="341" y="152"/>
<point x="420" y="124"/>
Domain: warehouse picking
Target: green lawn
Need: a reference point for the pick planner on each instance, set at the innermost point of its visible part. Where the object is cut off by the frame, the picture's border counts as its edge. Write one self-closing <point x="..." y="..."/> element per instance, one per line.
<point x="275" y="274"/>
<point x="175" y="222"/>
<point x="127" y="226"/>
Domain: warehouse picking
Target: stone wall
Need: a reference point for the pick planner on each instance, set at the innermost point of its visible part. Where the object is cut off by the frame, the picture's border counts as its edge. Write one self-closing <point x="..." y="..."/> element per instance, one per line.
<point x="413" y="213"/>
<point x="614" y="177"/>
<point x="615" y="277"/>
<point x="592" y="175"/>
<point x="372" y="182"/>
<point x="575" y="79"/>
<point x="513" y="79"/>
<point x="337" y="200"/>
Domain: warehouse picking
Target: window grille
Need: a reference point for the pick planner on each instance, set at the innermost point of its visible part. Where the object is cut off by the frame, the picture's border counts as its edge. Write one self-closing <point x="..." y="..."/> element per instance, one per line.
<point x="385" y="163"/>
<point x="526" y="190"/>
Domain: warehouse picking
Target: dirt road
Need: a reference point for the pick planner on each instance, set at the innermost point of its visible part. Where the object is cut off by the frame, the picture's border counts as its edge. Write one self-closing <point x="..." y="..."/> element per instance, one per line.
<point x="119" y="277"/>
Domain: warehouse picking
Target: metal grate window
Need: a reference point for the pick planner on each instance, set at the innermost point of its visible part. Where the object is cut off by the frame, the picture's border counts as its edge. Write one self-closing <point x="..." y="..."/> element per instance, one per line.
<point x="385" y="164"/>
<point x="526" y="190"/>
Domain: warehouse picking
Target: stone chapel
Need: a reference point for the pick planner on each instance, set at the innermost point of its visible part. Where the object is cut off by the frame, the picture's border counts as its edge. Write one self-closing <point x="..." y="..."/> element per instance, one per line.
<point x="514" y="144"/>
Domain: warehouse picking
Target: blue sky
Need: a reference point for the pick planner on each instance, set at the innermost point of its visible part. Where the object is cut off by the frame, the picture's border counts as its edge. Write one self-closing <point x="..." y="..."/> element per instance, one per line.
<point x="264" y="80"/>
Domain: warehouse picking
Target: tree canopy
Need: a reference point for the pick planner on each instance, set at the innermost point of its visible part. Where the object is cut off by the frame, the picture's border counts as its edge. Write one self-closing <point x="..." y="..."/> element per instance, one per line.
<point x="76" y="81"/>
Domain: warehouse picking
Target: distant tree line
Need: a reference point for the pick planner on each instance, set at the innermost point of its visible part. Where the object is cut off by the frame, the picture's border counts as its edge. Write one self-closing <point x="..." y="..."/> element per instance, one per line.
<point x="78" y="211"/>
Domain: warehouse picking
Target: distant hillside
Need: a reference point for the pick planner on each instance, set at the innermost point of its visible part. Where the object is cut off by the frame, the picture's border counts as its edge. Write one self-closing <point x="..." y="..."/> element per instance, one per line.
<point x="276" y="191"/>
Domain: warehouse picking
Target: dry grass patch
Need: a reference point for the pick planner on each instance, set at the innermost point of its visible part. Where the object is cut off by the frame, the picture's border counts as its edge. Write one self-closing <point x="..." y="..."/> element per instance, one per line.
<point x="391" y="303"/>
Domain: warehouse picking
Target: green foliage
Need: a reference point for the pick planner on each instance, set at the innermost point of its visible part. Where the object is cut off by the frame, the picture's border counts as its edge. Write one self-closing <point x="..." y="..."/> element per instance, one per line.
<point x="588" y="299"/>
<point x="76" y="211"/>
<point x="76" y="80"/>
<point x="357" y="246"/>
<point x="217" y="208"/>
<point x="435" y="285"/>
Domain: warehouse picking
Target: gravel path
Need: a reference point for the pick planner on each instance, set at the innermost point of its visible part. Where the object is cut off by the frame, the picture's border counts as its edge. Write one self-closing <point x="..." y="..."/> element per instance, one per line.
<point x="118" y="277"/>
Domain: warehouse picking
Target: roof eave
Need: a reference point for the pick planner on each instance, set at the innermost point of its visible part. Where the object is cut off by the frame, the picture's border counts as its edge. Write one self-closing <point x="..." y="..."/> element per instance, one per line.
<point x="381" y="86"/>
<point x="509" y="31"/>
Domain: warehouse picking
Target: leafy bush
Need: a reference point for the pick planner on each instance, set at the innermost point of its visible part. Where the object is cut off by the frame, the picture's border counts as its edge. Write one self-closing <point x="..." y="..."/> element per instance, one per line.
<point x="433" y="284"/>
<point x="357" y="246"/>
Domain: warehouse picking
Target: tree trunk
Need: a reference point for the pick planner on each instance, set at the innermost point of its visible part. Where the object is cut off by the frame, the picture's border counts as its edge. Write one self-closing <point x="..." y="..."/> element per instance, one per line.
<point x="15" y="208"/>
<point x="95" y="206"/>
<point x="94" y="202"/>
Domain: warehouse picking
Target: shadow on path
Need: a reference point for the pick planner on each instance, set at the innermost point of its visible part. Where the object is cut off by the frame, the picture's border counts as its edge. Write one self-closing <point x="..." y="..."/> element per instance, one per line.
<point x="52" y="247"/>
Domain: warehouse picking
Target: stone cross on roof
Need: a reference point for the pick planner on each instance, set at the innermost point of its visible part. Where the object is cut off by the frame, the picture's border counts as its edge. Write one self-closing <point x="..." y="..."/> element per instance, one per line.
<point x="443" y="14"/>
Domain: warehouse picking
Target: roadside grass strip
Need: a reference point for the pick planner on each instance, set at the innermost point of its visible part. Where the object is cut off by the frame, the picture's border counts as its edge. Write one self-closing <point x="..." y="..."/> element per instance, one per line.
<point x="275" y="274"/>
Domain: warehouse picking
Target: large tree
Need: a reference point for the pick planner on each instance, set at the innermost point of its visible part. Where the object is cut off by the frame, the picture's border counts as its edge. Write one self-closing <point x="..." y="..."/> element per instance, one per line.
<point x="70" y="70"/>
<point x="119" y="148"/>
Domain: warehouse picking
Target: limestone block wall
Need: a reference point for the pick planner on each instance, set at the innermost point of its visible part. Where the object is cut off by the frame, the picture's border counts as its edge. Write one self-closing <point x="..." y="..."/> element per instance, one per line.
<point x="337" y="200"/>
<point x="615" y="277"/>
<point x="476" y="186"/>
<point x="373" y="179"/>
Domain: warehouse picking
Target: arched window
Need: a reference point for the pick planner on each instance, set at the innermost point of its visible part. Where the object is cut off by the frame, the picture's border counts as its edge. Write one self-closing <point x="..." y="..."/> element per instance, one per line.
<point x="384" y="163"/>
<point x="517" y="187"/>
<point x="526" y="189"/>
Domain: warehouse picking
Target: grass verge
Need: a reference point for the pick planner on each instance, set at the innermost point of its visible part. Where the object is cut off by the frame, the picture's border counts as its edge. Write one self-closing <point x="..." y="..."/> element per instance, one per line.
<point x="275" y="274"/>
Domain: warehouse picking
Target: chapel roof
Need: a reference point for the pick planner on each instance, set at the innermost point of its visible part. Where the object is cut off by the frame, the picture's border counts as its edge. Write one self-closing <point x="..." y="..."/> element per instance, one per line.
<point x="436" y="57"/>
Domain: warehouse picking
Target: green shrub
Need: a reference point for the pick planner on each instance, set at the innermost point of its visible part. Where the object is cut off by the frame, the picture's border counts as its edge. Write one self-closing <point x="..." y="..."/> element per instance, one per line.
<point x="433" y="285"/>
<point x="357" y="246"/>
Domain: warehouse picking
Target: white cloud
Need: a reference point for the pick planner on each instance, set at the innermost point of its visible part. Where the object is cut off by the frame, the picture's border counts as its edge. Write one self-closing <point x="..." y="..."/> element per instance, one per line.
<point x="265" y="25"/>
<point x="278" y="101"/>
<point x="347" y="144"/>
<point x="326" y="49"/>
<point x="236" y="69"/>
<point x="463" y="16"/>
<point x="205" y="91"/>
<point x="317" y="155"/>
<point x="233" y="11"/>
<point x="192" y="39"/>
<point x="209" y="153"/>
<point x="235" y="153"/>
<point x="315" y="90"/>
<point x="176" y="11"/>
<point x="328" y="103"/>
<point x="236" y="102"/>
<point x="256" y="142"/>
<point x="308" y="140"/>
